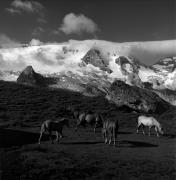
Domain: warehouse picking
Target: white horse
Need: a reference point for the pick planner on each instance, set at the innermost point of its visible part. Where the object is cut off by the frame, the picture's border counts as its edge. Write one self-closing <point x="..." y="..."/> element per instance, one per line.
<point x="110" y="130"/>
<point x="150" y="122"/>
<point x="57" y="126"/>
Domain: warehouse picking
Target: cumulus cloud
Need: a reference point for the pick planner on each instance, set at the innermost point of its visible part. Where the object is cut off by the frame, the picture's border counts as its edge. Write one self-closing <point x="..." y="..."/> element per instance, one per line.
<point x="37" y="31"/>
<point x="13" y="11"/>
<point x="28" y="6"/>
<point x="152" y="51"/>
<point x="35" y="42"/>
<point x="77" y="24"/>
<point x="6" y="42"/>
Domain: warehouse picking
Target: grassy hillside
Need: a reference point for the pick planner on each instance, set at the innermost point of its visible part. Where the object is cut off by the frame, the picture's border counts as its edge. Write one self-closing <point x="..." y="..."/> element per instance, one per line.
<point x="25" y="106"/>
<point x="79" y="155"/>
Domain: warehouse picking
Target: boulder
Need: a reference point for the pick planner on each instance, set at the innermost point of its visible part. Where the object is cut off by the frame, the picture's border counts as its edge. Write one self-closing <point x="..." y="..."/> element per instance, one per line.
<point x="135" y="98"/>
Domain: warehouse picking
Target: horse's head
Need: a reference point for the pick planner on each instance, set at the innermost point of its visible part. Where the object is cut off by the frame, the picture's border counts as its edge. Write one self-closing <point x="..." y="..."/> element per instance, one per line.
<point x="160" y="129"/>
<point x="99" y="119"/>
<point x="69" y="108"/>
<point x="65" y="122"/>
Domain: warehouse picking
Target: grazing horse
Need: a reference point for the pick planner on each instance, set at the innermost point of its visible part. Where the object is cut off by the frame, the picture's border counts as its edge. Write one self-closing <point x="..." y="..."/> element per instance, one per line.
<point x="57" y="126"/>
<point x="95" y="119"/>
<point x="110" y="130"/>
<point x="83" y="118"/>
<point x="150" y="122"/>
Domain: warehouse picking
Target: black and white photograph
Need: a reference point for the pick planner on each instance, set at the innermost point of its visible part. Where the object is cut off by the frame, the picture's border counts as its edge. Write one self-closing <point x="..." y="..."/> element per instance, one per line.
<point x="87" y="89"/>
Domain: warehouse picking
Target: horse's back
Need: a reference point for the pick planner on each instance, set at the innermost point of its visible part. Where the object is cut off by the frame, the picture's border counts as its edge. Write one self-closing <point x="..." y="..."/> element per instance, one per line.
<point x="50" y="125"/>
<point x="110" y="123"/>
<point x="146" y="120"/>
<point x="82" y="116"/>
<point x="90" y="117"/>
<point x="111" y="126"/>
<point x="47" y="122"/>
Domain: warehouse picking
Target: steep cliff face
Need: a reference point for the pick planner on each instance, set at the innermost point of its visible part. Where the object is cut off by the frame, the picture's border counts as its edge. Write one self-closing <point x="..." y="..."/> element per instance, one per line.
<point x="94" y="57"/>
<point x="130" y="70"/>
<point x="135" y="98"/>
<point x="29" y="77"/>
<point x="88" y="67"/>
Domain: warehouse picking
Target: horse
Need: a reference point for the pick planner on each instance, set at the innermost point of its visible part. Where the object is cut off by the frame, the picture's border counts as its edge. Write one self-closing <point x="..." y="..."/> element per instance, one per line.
<point x="150" y="122"/>
<point x="110" y="130"/>
<point x="57" y="126"/>
<point x="84" y="118"/>
<point x="95" y="119"/>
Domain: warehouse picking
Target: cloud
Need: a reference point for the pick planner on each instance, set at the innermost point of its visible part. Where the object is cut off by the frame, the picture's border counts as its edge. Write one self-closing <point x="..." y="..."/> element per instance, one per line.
<point x="35" y="42"/>
<point x="41" y="19"/>
<point x="13" y="11"/>
<point x="152" y="51"/>
<point x="37" y="31"/>
<point x="77" y="24"/>
<point x="28" y="6"/>
<point x="6" y="42"/>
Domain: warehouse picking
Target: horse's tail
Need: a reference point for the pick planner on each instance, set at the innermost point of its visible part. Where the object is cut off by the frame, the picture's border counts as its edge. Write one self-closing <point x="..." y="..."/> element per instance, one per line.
<point x="99" y="117"/>
<point x="43" y="127"/>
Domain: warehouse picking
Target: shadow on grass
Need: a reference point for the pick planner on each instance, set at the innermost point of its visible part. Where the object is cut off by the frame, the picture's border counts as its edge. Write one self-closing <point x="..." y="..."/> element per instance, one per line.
<point x="123" y="132"/>
<point x="134" y="144"/>
<point x="169" y="135"/>
<point x="82" y="142"/>
<point x="9" y="137"/>
<point x="122" y="144"/>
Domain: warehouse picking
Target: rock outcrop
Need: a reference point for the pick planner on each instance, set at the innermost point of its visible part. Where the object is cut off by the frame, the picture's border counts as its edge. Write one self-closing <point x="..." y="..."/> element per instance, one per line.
<point x="135" y="98"/>
<point x="130" y="71"/>
<point x="94" y="57"/>
<point x="29" y="77"/>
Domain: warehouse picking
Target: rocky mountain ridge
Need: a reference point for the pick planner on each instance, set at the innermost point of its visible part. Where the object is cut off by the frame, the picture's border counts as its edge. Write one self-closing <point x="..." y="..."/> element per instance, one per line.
<point x="89" y="70"/>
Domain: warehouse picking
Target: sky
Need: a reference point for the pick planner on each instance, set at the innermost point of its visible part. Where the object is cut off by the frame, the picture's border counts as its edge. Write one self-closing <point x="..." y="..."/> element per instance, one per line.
<point x="110" y="20"/>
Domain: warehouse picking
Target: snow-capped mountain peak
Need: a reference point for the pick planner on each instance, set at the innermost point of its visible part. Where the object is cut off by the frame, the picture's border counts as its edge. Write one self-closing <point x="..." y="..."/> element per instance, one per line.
<point x="87" y="61"/>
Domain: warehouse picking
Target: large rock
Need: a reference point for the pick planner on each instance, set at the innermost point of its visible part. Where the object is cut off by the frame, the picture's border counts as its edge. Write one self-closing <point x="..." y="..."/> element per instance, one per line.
<point x="135" y="98"/>
<point x="94" y="57"/>
<point x="29" y="77"/>
<point x="130" y="69"/>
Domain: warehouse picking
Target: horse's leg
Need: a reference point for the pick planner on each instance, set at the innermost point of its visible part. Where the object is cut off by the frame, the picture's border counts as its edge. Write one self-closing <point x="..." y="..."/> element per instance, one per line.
<point x="110" y="137"/>
<point x="50" y="136"/>
<point x="105" y="136"/>
<point x="156" y="131"/>
<point x="95" y="127"/>
<point x="76" y="127"/>
<point x="149" y="130"/>
<point x="138" y="127"/>
<point x="114" y="136"/>
<point x="143" y="130"/>
<point x="60" y="135"/>
<point x="41" y="133"/>
<point x="57" y="136"/>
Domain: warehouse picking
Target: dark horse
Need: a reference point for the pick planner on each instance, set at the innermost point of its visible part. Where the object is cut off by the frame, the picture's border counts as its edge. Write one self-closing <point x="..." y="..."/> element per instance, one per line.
<point x="110" y="130"/>
<point x="84" y="118"/>
<point x="57" y="126"/>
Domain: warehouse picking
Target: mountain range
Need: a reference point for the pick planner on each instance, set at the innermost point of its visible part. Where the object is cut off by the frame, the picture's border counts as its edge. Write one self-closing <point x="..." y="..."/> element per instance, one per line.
<point x="93" y="68"/>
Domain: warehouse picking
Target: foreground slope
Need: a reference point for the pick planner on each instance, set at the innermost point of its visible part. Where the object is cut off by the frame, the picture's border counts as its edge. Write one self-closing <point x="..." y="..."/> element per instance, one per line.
<point x="81" y="154"/>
